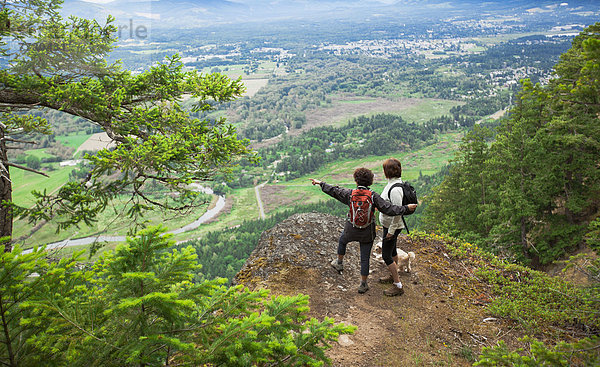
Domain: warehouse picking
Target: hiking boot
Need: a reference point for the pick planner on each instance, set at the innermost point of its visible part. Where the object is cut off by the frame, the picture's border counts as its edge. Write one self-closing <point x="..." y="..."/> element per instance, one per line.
<point x="386" y="279"/>
<point x="336" y="266"/>
<point x="393" y="291"/>
<point x="363" y="287"/>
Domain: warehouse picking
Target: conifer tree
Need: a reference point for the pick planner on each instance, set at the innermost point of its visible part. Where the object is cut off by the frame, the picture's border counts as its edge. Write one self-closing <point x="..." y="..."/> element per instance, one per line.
<point x="17" y="286"/>
<point x="543" y="167"/>
<point x="515" y="160"/>
<point x="463" y="195"/>
<point x="138" y="306"/>
<point x="57" y="64"/>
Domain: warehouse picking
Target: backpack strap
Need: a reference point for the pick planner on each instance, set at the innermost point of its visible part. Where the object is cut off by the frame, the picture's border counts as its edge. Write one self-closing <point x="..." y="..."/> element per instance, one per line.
<point x="397" y="184"/>
<point x="372" y="199"/>
<point x="405" y="226"/>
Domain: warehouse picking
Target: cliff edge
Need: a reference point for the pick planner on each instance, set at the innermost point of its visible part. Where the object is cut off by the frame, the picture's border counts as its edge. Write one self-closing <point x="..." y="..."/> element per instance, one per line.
<point x="441" y="318"/>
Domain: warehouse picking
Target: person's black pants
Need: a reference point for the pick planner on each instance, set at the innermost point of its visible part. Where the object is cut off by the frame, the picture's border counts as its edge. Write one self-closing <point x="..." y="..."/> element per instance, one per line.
<point x="388" y="246"/>
<point x="365" y="253"/>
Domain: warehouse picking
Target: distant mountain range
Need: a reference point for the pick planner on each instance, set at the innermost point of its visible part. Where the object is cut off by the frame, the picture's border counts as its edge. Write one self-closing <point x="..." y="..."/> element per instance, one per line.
<point x="198" y="13"/>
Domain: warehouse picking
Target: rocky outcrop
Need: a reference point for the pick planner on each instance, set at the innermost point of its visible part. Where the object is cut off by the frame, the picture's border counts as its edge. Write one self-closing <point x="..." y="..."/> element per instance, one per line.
<point x="440" y="320"/>
<point x="303" y="244"/>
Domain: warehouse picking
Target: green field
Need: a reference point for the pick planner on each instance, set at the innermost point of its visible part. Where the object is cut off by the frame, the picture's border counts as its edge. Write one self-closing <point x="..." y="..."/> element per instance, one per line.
<point x="39" y="153"/>
<point x="24" y="182"/>
<point x="428" y="109"/>
<point x="358" y="101"/>
<point x="73" y="140"/>
<point x="421" y="111"/>
<point x="243" y="208"/>
<point x="264" y="70"/>
<point x="427" y="161"/>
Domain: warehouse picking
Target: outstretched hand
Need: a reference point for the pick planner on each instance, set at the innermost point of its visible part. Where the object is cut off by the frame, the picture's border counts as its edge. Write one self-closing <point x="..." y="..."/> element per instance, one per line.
<point x="412" y="207"/>
<point x="315" y="182"/>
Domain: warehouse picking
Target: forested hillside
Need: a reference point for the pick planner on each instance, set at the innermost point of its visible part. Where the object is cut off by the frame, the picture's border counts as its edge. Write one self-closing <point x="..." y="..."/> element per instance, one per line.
<point x="530" y="189"/>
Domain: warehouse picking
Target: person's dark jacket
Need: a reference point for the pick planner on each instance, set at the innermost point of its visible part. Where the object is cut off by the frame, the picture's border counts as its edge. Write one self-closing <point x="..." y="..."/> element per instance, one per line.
<point x="362" y="234"/>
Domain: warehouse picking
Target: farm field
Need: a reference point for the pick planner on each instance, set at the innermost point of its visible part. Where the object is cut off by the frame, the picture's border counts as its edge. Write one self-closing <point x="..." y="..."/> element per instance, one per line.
<point x="39" y="153"/>
<point x="74" y="140"/>
<point x="94" y="143"/>
<point x="411" y="109"/>
<point x="257" y="79"/>
<point x="25" y="182"/>
<point x="429" y="160"/>
<point x="254" y="85"/>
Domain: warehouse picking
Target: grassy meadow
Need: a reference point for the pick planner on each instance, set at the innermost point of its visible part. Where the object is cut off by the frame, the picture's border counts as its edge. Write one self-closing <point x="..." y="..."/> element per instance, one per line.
<point x="39" y="153"/>
<point x="24" y="182"/>
<point x="73" y="140"/>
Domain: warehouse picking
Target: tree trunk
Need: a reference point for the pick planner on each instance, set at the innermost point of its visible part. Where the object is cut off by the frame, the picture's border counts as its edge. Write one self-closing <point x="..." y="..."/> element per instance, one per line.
<point x="524" y="245"/>
<point x="7" y="337"/>
<point x="6" y="213"/>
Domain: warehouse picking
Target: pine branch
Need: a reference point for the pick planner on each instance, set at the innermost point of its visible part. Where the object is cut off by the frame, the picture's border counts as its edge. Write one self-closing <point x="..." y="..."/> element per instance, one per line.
<point x="18" y="141"/>
<point x="84" y="330"/>
<point x="27" y="169"/>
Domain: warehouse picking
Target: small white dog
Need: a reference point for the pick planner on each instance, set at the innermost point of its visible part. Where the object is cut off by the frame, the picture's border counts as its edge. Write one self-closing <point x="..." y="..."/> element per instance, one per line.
<point x="405" y="260"/>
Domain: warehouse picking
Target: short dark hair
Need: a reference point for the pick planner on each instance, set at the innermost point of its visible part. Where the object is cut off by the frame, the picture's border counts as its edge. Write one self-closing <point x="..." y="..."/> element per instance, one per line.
<point x="392" y="168"/>
<point x="363" y="177"/>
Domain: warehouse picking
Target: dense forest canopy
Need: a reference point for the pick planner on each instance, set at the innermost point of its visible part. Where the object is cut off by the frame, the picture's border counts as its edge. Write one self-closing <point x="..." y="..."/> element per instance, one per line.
<point x="534" y="190"/>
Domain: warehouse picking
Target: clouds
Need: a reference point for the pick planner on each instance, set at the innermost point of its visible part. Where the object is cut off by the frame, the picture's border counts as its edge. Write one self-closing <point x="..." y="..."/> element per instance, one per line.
<point x="190" y="13"/>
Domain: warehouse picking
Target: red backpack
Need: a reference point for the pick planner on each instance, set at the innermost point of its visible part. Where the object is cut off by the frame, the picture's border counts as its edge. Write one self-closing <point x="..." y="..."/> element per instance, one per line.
<point x="362" y="211"/>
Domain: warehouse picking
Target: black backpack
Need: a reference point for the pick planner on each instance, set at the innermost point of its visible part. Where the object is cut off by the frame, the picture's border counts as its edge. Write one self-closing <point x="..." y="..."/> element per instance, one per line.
<point x="409" y="196"/>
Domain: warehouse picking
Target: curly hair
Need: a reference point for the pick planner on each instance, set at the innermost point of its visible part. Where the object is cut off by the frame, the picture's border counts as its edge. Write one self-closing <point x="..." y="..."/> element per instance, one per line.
<point x="392" y="168"/>
<point x="363" y="177"/>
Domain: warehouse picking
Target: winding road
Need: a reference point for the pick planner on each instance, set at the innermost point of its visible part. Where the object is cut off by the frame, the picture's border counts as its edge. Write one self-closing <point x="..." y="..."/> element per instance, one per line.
<point x="209" y="214"/>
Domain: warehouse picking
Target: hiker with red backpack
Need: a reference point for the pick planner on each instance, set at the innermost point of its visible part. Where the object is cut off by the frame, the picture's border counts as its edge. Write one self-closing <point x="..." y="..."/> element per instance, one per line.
<point x="360" y="225"/>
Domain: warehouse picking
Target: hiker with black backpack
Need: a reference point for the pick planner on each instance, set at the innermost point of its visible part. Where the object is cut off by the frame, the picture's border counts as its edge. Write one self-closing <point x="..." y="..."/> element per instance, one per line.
<point x="360" y="225"/>
<point x="393" y="192"/>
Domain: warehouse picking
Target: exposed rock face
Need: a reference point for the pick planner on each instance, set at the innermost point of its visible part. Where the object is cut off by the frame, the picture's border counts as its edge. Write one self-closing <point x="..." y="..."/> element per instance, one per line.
<point x="307" y="243"/>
